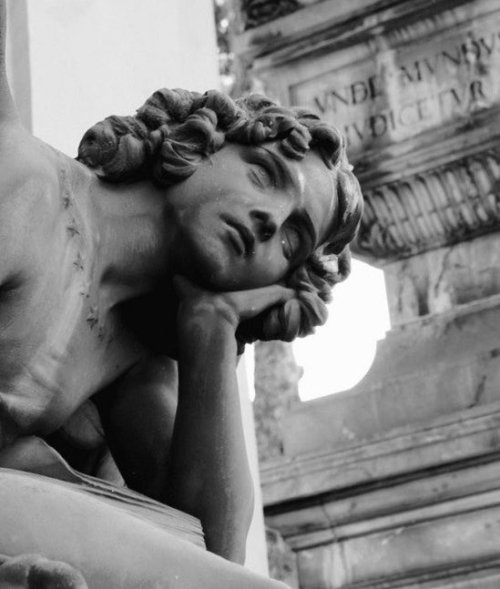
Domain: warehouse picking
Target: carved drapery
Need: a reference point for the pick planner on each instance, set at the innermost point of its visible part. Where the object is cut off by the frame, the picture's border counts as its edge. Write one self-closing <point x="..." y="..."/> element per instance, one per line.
<point x="446" y="204"/>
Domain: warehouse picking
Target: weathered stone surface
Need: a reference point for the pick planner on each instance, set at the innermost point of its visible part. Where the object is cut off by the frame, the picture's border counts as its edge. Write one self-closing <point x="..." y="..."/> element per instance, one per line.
<point x="113" y="547"/>
<point x="415" y="507"/>
<point x="256" y="13"/>
<point x="405" y="556"/>
<point x="440" y="280"/>
<point x="395" y="482"/>
<point x="416" y="92"/>
<point x="402" y="87"/>
<point x="276" y="392"/>
<point x="435" y="207"/>
<point x="282" y="559"/>
<point x="396" y="454"/>
<point x="430" y="367"/>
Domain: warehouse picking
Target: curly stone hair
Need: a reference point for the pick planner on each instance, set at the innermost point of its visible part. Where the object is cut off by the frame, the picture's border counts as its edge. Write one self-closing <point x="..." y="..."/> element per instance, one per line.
<point x="176" y="130"/>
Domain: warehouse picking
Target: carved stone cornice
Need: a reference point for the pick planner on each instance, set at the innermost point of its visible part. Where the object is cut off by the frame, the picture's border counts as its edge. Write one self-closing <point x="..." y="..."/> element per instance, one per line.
<point x="400" y="452"/>
<point x="302" y="27"/>
<point x="437" y="207"/>
<point x="259" y="12"/>
<point x="359" y="518"/>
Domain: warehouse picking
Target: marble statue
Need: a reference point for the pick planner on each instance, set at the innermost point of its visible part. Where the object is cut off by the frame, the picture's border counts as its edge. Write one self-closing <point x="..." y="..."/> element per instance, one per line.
<point x="130" y="278"/>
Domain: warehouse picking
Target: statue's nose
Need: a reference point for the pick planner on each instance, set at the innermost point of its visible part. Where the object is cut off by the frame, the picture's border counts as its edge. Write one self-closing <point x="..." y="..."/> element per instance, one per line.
<point x="263" y="224"/>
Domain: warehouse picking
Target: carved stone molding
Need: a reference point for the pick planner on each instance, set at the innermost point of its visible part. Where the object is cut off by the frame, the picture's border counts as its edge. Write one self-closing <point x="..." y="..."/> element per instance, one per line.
<point x="282" y="559"/>
<point x="400" y="452"/>
<point x="327" y="25"/>
<point x="276" y="392"/>
<point x="259" y="12"/>
<point x="441" y="206"/>
<point x="361" y="517"/>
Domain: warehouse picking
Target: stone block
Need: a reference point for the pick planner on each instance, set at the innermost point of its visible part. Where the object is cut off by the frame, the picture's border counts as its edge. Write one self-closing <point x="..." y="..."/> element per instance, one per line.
<point x="418" y="508"/>
<point x="434" y="366"/>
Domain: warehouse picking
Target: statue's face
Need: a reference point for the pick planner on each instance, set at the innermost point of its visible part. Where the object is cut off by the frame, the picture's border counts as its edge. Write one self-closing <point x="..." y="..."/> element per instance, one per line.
<point x="248" y="215"/>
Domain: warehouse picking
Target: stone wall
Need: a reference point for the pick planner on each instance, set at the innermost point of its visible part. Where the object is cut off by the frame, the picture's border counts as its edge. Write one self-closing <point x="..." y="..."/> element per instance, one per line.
<point x="276" y="393"/>
<point x="396" y="483"/>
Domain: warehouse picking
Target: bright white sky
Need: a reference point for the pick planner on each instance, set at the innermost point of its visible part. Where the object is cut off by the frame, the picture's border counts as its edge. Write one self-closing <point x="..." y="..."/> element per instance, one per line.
<point x="340" y="353"/>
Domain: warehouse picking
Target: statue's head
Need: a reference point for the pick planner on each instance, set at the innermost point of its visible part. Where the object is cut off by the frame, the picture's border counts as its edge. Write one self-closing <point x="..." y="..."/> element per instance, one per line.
<point x="259" y="193"/>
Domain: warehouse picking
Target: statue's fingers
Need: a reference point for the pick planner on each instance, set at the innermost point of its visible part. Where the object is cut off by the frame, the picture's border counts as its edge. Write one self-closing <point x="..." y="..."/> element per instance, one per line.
<point x="56" y="575"/>
<point x="255" y="301"/>
<point x="32" y="571"/>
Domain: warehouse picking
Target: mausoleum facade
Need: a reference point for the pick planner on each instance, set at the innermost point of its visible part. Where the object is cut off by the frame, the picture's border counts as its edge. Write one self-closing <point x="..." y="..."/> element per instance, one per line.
<point x="395" y="482"/>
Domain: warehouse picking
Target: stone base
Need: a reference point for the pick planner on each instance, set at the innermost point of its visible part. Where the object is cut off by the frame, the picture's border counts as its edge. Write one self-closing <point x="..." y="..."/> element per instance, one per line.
<point x="417" y="507"/>
<point x="113" y="549"/>
<point x="433" y="366"/>
<point x="396" y="483"/>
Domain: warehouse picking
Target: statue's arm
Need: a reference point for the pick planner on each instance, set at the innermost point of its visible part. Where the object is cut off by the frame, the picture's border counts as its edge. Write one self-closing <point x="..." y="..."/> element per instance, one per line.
<point x="7" y="109"/>
<point x="196" y="462"/>
<point x="137" y="412"/>
<point x="209" y="474"/>
<point x="185" y="446"/>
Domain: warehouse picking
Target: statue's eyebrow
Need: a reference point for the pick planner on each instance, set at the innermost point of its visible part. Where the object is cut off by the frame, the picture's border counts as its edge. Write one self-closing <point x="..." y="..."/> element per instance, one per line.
<point x="282" y="172"/>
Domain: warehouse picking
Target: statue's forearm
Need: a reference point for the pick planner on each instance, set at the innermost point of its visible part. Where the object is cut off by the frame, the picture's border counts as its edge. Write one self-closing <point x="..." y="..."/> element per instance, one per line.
<point x="209" y="474"/>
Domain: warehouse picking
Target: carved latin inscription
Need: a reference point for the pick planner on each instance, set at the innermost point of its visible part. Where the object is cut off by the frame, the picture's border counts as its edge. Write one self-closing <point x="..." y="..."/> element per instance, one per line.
<point x="399" y="93"/>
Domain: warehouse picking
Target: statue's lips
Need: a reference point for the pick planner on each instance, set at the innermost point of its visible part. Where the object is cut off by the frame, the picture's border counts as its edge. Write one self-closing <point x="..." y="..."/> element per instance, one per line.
<point x="240" y="236"/>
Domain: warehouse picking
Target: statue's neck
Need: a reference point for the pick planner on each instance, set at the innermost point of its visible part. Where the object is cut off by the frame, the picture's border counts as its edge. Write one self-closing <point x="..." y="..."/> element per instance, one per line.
<point x="133" y="246"/>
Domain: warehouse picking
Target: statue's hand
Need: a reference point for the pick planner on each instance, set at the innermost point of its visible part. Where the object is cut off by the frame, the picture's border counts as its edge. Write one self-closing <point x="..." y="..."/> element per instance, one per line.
<point x="32" y="571"/>
<point x="232" y="307"/>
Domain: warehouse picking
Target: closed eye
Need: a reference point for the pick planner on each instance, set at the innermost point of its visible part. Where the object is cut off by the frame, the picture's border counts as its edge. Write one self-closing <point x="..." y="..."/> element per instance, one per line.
<point x="291" y="242"/>
<point x="298" y="237"/>
<point x="261" y="176"/>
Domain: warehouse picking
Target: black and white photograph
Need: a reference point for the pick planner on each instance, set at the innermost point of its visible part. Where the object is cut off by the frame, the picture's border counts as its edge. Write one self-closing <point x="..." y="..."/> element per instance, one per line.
<point x="249" y="294"/>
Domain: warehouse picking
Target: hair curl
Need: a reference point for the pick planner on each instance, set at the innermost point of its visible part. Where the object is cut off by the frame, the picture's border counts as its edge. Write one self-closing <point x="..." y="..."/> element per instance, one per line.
<point x="176" y="130"/>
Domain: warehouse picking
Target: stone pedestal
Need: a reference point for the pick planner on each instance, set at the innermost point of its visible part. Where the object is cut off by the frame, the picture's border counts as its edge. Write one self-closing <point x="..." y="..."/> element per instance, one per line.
<point x="396" y="483"/>
<point x="116" y="539"/>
